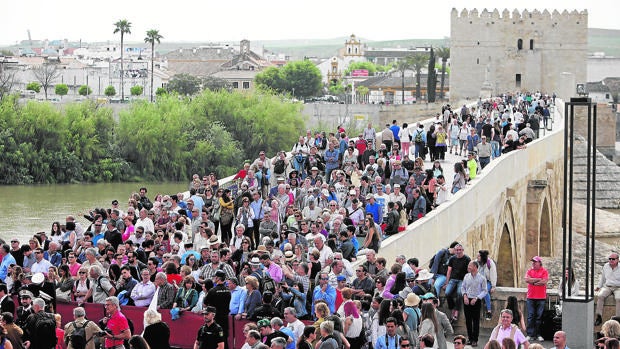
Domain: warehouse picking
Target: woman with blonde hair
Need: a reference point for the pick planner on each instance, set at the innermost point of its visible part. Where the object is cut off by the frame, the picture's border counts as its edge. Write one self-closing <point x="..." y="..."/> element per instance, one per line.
<point x="611" y="329"/>
<point x="156" y="333"/>
<point x="253" y="298"/>
<point x="321" y="311"/>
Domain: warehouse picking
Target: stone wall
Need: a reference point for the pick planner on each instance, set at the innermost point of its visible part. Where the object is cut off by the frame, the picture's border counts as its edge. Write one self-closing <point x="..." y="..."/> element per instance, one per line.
<point x="484" y="47"/>
<point x="332" y="115"/>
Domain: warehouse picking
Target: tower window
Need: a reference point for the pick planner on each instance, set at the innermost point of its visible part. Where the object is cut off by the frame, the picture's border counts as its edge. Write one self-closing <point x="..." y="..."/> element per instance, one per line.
<point x="518" y="81"/>
<point x="520" y="44"/>
<point x="531" y="44"/>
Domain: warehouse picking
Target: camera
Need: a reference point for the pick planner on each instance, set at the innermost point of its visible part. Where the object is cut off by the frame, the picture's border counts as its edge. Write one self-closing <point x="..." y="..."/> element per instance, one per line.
<point x="104" y="332"/>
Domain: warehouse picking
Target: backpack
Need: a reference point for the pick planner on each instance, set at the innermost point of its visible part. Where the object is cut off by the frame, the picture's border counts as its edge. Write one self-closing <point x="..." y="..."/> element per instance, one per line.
<point x="268" y="283"/>
<point x="278" y="167"/>
<point x="46" y="330"/>
<point x="418" y="137"/>
<point x="78" y="337"/>
<point x="442" y="268"/>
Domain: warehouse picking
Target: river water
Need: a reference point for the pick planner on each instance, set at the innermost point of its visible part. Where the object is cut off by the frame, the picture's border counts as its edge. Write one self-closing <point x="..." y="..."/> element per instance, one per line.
<point x="30" y="209"/>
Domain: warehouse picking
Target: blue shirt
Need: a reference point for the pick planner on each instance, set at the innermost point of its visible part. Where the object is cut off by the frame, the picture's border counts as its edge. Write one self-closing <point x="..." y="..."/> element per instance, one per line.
<point x="387" y="342"/>
<point x="237" y="300"/>
<point x="4" y="266"/>
<point x="290" y="333"/>
<point x="329" y="296"/>
<point x="256" y="206"/>
<point x="395" y="130"/>
<point x="377" y="213"/>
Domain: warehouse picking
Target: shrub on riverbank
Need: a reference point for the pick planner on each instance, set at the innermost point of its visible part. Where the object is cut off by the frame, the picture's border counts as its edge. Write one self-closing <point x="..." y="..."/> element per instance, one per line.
<point x="167" y="140"/>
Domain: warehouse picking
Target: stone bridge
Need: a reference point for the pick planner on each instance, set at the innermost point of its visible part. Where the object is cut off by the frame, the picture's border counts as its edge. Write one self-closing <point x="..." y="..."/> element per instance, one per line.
<point x="513" y="209"/>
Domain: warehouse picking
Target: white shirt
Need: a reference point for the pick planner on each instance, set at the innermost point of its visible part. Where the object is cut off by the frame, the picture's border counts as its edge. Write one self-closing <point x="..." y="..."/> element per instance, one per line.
<point x="41" y="267"/>
<point x="146" y="223"/>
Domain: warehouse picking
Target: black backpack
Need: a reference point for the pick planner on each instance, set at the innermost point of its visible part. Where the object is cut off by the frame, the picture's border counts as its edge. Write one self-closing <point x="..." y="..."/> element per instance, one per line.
<point x="278" y="167"/>
<point x="46" y="330"/>
<point x="78" y="337"/>
<point x="268" y="283"/>
<point x="442" y="268"/>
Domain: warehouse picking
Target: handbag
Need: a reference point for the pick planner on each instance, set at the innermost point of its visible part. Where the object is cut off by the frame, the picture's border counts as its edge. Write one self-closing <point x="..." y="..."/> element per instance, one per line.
<point x="216" y="215"/>
<point x="226" y="216"/>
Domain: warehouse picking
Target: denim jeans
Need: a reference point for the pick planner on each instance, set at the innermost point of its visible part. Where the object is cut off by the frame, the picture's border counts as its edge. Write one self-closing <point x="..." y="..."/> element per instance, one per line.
<point x="495" y="150"/>
<point x="535" y="309"/>
<point x="439" y="281"/>
<point x="487" y="298"/>
<point x="454" y="289"/>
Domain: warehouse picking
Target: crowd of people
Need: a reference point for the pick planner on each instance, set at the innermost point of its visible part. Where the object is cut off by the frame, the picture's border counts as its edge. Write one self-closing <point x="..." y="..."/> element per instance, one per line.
<point x="282" y="246"/>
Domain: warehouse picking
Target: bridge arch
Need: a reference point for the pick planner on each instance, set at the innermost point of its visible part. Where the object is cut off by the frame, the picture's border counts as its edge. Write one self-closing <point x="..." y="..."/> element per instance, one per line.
<point x="506" y="247"/>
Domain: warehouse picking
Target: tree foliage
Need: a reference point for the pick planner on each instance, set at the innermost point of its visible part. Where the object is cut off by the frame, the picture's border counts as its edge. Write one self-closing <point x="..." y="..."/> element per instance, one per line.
<point x="166" y="140"/>
<point x="215" y="84"/>
<point x="85" y="90"/>
<point x="184" y="84"/>
<point x="431" y="82"/>
<point x="302" y="76"/>
<point x="444" y="54"/>
<point x="418" y="61"/>
<point x="152" y="37"/>
<point x="109" y="91"/>
<point x="160" y="91"/>
<point x="371" y="67"/>
<point x="136" y="90"/>
<point x="33" y="86"/>
<point x="7" y="81"/>
<point x="123" y="27"/>
<point x="61" y="89"/>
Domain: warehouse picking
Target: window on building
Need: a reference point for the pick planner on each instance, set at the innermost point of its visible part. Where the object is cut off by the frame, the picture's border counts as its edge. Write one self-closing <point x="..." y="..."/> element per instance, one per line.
<point x="246" y="85"/>
<point x="531" y="44"/>
<point x="520" y="44"/>
<point x="518" y="81"/>
<point x="235" y="84"/>
<point x="477" y="60"/>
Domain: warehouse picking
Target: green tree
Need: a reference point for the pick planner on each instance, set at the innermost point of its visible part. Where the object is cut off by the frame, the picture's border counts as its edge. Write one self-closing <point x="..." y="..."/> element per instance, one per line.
<point x="85" y="90"/>
<point x="418" y="61"/>
<point x="431" y="82"/>
<point x="160" y="91"/>
<point x="122" y="26"/>
<point x="402" y="66"/>
<point x="184" y="84"/>
<point x="136" y="90"/>
<point x="444" y="54"/>
<point x="61" y="89"/>
<point x="362" y="92"/>
<point x="46" y="74"/>
<point x="152" y="37"/>
<point x="302" y="76"/>
<point x="336" y="88"/>
<point x="215" y="84"/>
<point x="34" y="86"/>
<point x="110" y="91"/>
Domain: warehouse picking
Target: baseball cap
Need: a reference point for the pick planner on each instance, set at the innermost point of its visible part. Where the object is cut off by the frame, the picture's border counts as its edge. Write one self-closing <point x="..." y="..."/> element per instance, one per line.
<point x="209" y="309"/>
<point x="341" y="278"/>
<point x="263" y="323"/>
<point x="537" y="259"/>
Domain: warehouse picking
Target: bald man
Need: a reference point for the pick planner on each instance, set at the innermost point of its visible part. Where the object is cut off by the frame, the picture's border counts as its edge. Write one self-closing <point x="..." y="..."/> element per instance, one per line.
<point x="559" y="340"/>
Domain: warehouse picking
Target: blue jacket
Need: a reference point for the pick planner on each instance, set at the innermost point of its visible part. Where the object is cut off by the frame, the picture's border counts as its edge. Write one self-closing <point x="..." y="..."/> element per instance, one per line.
<point x="329" y="296"/>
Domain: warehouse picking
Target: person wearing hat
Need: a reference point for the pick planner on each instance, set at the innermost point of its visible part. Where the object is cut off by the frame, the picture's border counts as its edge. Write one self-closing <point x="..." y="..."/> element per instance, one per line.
<point x="423" y="282"/>
<point x="210" y="335"/>
<point x="314" y="175"/>
<point x="25" y="309"/>
<point x="265" y="329"/>
<point x="536" y="278"/>
<point x="219" y="297"/>
<point x="372" y="207"/>
<point x="412" y="314"/>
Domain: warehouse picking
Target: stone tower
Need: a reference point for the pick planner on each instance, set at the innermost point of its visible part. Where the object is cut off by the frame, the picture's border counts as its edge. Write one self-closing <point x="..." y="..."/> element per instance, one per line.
<point x="526" y="51"/>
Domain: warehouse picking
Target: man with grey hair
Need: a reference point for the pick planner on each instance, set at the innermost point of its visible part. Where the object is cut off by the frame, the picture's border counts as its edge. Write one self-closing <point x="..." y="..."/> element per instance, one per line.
<point x="290" y="315"/>
<point x="101" y="285"/>
<point x="90" y="328"/>
<point x="278" y="325"/>
<point x="164" y="293"/>
<point x="278" y="343"/>
<point x="117" y="323"/>
<point x="35" y="336"/>
<point x="327" y="332"/>
<point x="91" y="258"/>
<point x="253" y="340"/>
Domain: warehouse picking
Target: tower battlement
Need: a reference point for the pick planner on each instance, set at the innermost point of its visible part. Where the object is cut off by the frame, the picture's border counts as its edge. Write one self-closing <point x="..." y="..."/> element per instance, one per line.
<point x="534" y="17"/>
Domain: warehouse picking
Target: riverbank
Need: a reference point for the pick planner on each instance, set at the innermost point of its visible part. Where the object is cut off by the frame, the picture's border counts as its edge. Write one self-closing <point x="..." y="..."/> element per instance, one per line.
<point x="28" y="209"/>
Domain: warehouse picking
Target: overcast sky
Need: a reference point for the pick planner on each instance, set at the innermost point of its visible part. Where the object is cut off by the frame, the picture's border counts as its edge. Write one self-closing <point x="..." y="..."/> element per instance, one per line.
<point x="213" y="21"/>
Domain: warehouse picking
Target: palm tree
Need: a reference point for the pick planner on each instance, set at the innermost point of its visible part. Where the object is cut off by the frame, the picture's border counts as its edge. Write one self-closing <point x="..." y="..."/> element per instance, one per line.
<point x="124" y="27"/>
<point x="418" y="62"/>
<point x="444" y="54"/>
<point x="402" y="66"/>
<point x="152" y="36"/>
